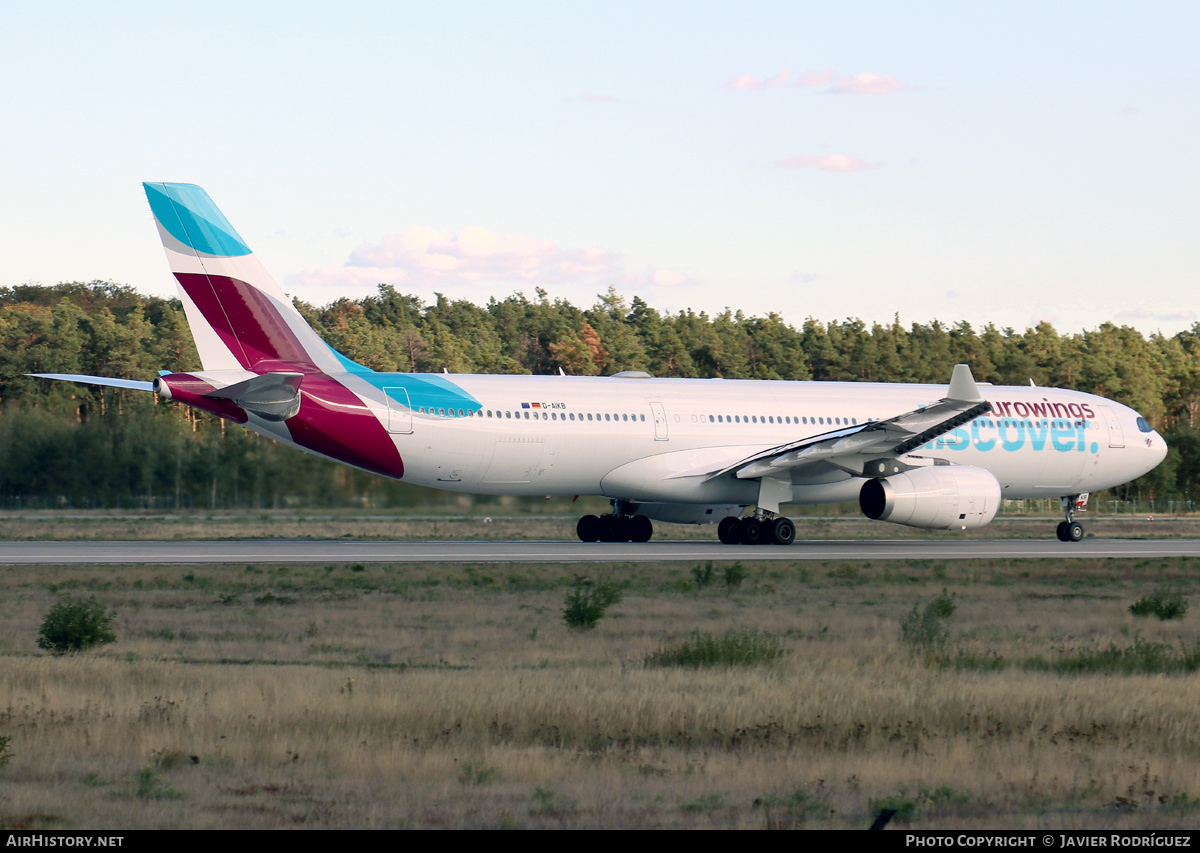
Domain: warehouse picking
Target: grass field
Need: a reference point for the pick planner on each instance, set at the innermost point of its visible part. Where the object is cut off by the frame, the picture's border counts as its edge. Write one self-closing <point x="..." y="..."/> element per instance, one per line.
<point x="426" y="696"/>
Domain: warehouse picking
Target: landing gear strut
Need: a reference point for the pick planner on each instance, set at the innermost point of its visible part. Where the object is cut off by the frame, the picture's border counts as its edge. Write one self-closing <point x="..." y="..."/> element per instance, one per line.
<point x="756" y="531"/>
<point x="1069" y="530"/>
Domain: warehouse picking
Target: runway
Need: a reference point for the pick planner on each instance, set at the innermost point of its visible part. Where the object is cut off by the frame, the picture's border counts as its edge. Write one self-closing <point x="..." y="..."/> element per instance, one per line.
<point x="489" y="551"/>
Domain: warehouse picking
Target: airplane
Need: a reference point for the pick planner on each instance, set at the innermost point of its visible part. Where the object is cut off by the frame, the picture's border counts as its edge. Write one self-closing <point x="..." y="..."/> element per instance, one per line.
<point x="687" y="451"/>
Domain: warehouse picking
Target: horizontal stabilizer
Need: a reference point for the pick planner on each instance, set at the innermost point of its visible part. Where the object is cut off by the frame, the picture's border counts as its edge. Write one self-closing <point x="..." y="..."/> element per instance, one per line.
<point x="134" y="384"/>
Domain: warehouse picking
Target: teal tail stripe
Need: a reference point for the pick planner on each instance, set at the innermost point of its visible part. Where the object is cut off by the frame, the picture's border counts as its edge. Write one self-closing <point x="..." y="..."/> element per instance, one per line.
<point x="190" y="216"/>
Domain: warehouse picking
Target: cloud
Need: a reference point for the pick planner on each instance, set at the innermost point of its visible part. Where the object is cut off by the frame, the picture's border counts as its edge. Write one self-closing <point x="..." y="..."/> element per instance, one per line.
<point x="654" y="277"/>
<point x="817" y="79"/>
<point x="667" y="278"/>
<point x="425" y="257"/>
<point x="828" y="163"/>
<point x="865" y="84"/>
<point x="748" y="82"/>
<point x="830" y="81"/>
<point x="603" y="99"/>
<point x="1138" y="315"/>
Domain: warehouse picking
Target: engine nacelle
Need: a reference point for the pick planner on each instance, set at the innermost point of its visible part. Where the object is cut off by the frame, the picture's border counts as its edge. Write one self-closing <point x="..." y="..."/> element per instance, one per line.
<point x="941" y="497"/>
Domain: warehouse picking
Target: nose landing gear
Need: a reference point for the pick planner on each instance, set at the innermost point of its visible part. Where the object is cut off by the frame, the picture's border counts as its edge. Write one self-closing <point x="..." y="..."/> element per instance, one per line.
<point x="1071" y="530"/>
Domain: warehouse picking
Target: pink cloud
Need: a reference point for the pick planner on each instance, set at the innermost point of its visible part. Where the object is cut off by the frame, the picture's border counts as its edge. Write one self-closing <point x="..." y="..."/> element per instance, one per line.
<point x="425" y="257"/>
<point x="817" y="79"/>
<point x="748" y="82"/>
<point x="828" y="163"/>
<point x="829" y="80"/>
<point x="654" y="277"/>
<point x="866" y="84"/>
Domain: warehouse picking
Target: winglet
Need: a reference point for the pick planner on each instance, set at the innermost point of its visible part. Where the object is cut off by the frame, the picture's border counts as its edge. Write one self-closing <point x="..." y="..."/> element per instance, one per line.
<point x="962" y="385"/>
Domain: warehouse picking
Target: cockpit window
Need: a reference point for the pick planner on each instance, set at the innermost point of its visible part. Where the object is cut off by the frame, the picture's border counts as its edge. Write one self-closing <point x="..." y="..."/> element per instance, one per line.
<point x="1143" y="426"/>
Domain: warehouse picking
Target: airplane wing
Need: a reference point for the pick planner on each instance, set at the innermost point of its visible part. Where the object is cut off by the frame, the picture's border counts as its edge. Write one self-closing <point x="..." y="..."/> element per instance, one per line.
<point x="872" y="449"/>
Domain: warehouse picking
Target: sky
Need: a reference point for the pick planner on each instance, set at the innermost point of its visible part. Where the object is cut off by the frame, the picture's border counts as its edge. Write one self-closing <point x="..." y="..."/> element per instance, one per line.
<point x="989" y="163"/>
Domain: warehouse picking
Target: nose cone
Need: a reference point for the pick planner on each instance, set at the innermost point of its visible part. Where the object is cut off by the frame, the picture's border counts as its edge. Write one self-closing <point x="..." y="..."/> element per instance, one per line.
<point x="1158" y="449"/>
<point x="1153" y="447"/>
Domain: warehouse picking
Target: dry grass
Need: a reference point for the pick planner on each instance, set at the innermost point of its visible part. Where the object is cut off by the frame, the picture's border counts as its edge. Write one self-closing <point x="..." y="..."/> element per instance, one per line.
<point x="424" y="696"/>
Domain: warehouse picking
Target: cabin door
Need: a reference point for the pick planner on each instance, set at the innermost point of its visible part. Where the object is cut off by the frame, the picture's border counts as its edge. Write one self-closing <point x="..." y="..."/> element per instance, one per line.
<point x="660" y="421"/>
<point x="1116" y="437"/>
<point x="399" y="411"/>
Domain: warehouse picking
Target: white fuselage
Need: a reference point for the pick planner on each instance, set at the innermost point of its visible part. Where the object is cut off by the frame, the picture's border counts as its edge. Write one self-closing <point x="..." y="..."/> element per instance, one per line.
<point x="656" y="440"/>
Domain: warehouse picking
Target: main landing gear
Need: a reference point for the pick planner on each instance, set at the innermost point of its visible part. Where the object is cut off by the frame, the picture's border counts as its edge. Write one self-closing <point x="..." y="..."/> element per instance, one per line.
<point x="756" y="531"/>
<point x="1070" y="530"/>
<point x="614" y="528"/>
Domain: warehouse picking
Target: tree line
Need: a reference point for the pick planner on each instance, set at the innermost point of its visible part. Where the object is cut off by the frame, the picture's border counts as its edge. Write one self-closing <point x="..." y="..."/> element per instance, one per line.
<point x="71" y="445"/>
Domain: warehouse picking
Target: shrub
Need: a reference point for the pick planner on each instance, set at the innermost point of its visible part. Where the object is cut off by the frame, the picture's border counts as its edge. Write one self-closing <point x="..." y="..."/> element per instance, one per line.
<point x="1164" y="605"/>
<point x="734" y="575"/>
<point x="151" y="786"/>
<point x="748" y="647"/>
<point x="925" y="630"/>
<point x="587" y="602"/>
<point x="73" y="626"/>
<point x="1141" y="658"/>
<point x="703" y="575"/>
<point x="791" y="811"/>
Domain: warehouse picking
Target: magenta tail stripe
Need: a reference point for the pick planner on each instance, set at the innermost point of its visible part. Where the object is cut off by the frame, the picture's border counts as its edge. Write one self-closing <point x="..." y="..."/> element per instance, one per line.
<point x="244" y="318"/>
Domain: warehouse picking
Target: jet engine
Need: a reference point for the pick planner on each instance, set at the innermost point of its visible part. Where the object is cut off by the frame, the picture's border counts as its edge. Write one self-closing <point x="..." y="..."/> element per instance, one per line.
<point x="940" y="497"/>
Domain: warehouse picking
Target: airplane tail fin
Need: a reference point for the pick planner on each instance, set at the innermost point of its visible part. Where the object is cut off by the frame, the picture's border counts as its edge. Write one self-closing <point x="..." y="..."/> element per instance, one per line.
<point x="239" y="316"/>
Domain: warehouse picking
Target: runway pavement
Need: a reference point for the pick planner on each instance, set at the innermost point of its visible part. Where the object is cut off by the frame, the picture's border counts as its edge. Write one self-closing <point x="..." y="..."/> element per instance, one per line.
<point x="487" y="551"/>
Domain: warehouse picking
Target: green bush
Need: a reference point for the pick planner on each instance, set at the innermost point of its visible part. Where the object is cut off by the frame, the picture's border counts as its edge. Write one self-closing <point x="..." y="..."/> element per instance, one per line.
<point x="703" y="575"/>
<point x="734" y="575"/>
<point x="587" y="602"/>
<point x="925" y="630"/>
<point x="73" y="626"/>
<point x="748" y="647"/>
<point x="1141" y="658"/>
<point x="1164" y="605"/>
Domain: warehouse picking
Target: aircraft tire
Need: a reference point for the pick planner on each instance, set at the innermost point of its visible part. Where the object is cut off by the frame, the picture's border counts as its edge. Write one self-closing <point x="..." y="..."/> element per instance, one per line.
<point x="588" y="529"/>
<point x="783" y="531"/>
<point x="729" y="530"/>
<point x="1074" y="531"/>
<point x="640" y="529"/>
<point x="753" y="532"/>
<point x="1061" y="532"/>
<point x="609" y="528"/>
